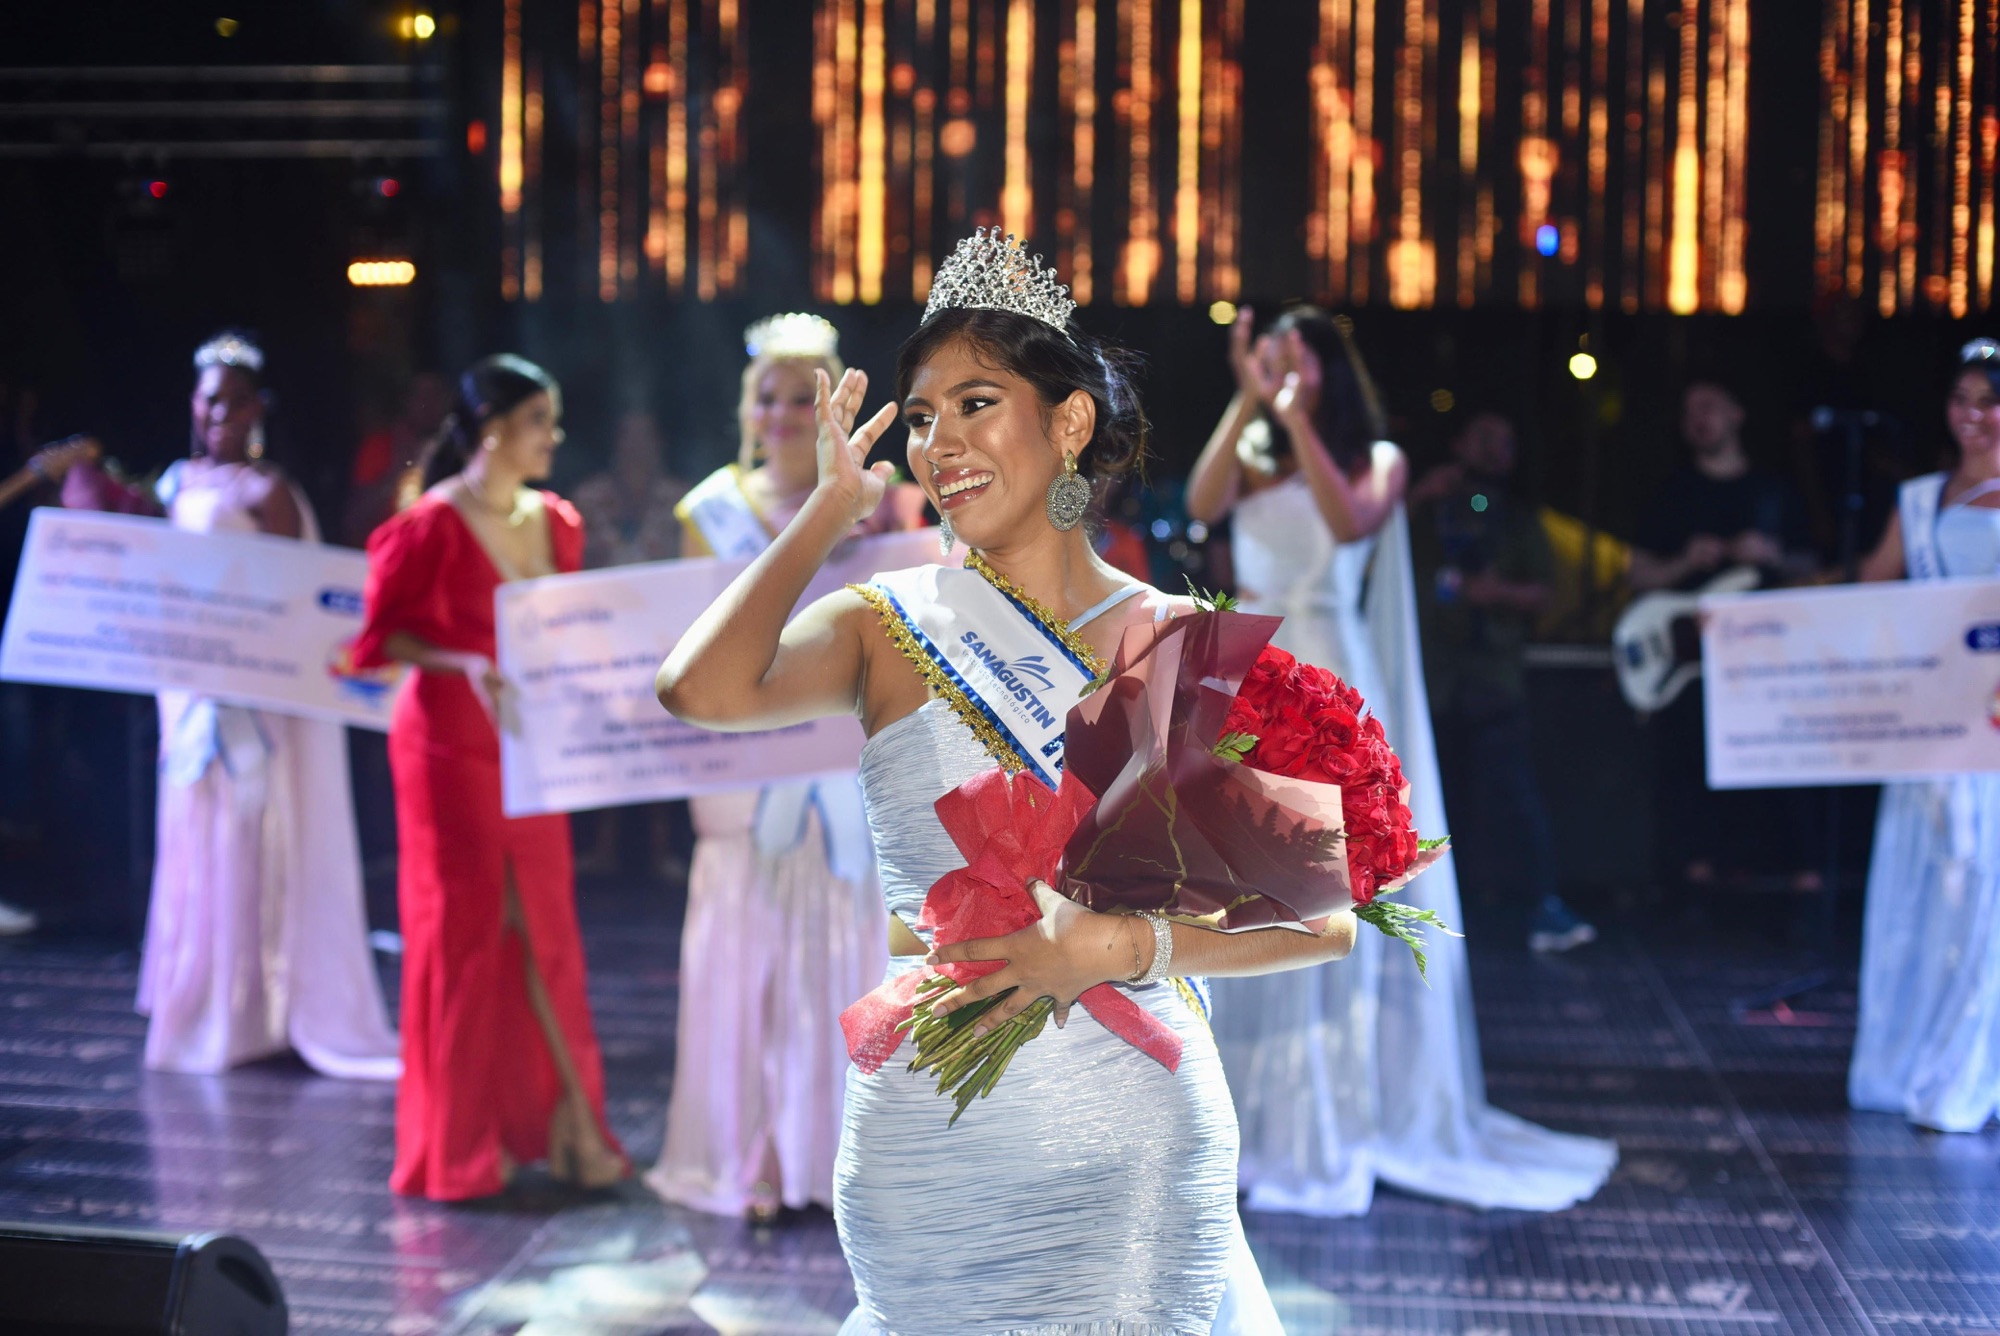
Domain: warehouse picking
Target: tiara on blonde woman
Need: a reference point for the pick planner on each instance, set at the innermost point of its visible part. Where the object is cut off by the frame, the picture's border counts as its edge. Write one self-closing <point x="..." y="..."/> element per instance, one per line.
<point x="990" y="272"/>
<point x="793" y="334"/>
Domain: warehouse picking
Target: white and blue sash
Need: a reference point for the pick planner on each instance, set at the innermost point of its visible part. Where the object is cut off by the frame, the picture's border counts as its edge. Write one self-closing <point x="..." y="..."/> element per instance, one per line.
<point x="733" y="530"/>
<point x="1006" y="672"/>
<point x="1918" y="500"/>
<point x="724" y="517"/>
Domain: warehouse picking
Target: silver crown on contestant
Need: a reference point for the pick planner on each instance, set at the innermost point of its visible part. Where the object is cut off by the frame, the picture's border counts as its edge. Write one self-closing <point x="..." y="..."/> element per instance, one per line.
<point x="990" y="272"/>
<point x="793" y="334"/>
<point x="1979" y="350"/>
<point x="229" y="350"/>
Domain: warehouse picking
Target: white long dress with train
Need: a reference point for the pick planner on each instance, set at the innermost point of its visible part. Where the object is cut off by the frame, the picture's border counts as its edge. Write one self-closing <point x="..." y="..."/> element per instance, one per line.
<point x="257" y="935"/>
<point x="1927" y="1044"/>
<point x="1093" y="1193"/>
<point x="1361" y="1074"/>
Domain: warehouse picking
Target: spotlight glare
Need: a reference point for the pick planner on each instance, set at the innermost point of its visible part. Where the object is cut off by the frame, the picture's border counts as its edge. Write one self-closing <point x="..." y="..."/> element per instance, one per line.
<point x="226" y="27"/>
<point x="1583" y="366"/>
<point x="1222" y="313"/>
<point x="1443" y="401"/>
<point x="157" y="189"/>
<point x="1548" y="239"/>
<point x="381" y="273"/>
<point x="422" y="26"/>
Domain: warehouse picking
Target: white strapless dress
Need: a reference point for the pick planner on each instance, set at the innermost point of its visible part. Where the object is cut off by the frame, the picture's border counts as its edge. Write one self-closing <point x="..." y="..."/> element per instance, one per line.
<point x="1360" y="1073"/>
<point x="1093" y="1193"/>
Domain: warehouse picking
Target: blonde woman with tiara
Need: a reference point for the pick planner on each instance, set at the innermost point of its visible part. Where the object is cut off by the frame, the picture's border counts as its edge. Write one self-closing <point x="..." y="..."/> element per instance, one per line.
<point x="785" y="924"/>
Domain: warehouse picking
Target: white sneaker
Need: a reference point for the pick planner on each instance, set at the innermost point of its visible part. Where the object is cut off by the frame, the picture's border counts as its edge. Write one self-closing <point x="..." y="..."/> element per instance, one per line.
<point x="16" y="921"/>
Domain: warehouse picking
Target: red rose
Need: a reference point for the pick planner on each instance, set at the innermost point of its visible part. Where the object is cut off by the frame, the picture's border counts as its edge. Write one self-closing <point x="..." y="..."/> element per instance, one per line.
<point x="1311" y="725"/>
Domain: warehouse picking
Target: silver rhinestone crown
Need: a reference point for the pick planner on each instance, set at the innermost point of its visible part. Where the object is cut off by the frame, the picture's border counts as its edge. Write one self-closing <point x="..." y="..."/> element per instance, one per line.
<point x="229" y="350"/>
<point x="793" y="334"/>
<point x="990" y="272"/>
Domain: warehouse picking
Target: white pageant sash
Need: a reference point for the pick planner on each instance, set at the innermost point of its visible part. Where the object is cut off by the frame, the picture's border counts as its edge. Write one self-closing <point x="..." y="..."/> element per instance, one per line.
<point x="729" y="525"/>
<point x="581" y="651"/>
<point x="128" y="603"/>
<point x="1852" y="685"/>
<point x="1009" y="676"/>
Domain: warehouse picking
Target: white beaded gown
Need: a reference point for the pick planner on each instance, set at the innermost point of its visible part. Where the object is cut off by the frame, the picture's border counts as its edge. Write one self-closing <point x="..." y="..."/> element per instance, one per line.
<point x="1361" y="1074"/>
<point x="1927" y="1044"/>
<point x="1092" y="1193"/>
<point x="257" y="934"/>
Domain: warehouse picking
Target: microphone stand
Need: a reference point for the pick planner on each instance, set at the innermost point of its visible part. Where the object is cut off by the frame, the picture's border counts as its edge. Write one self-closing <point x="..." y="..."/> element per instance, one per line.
<point x="1853" y="426"/>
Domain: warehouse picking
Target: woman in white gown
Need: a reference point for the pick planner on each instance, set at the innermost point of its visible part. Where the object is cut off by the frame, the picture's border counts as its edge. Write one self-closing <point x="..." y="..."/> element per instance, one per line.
<point x="784" y="922"/>
<point x="1092" y="1191"/>
<point x="257" y="936"/>
<point x="1927" y="1044"/>
<point x="1345" y="1078"/>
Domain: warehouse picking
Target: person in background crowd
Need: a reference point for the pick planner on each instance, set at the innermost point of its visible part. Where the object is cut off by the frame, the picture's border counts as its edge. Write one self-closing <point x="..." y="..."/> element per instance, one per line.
<point x="1343" y="1078"/>
<point x="500" y="1060"/>
<point x="628" y="517"/>
<point x="383" y="477"/>
<point x="256" y="937"/>
<point x="1927" y="1042"/>
<point x="1718" y="512"/>
<point x="785" y="921"/>
<point x="18" y="403"/>
<point x="628" y="510"/>
<point x="1484" y="573"/>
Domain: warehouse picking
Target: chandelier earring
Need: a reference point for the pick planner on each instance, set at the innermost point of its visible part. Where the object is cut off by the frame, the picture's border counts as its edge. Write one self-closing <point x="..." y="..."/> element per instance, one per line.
<point x="1069" y="496"/>
<point x="945" y="536"/>
<point x="255" y="447"/>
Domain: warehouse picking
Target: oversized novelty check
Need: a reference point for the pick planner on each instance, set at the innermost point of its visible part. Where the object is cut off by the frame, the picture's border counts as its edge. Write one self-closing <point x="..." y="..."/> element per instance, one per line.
<point x="585" y="729"/>
<point x="126" y="603"/>
<point x="1853" y="685"/>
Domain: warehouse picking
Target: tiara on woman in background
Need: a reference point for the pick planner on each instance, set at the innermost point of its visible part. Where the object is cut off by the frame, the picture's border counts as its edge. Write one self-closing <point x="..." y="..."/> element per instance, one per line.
<point x="1979" y="350"/>
<point x="990" y="272"/>
<point x="229" y="350"/>
<point x="793" y="334"/>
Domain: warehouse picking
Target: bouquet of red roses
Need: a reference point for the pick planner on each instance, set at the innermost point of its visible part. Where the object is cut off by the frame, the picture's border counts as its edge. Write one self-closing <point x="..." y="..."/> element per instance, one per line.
<point x="1209" y="777"/>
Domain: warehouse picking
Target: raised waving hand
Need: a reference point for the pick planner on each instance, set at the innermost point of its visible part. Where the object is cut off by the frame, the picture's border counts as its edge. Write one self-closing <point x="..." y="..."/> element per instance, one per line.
<point x="844" y="448"/>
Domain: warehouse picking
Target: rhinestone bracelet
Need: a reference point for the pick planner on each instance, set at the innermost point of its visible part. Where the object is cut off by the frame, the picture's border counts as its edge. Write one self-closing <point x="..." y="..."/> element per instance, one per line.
<point x="1163" y="952"/>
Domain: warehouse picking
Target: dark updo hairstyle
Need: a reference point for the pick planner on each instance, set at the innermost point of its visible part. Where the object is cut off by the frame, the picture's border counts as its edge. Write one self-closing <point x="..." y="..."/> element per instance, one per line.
<point x="491" y="387"/>
<point x="1343" y="419"/>
<point x="1056" y="364"/>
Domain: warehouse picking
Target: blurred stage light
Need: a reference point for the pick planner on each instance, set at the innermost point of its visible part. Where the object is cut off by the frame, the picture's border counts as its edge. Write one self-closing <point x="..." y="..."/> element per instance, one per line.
<point x="1443" y="401"/>
<point x="1479" y="502"/>
<point x="381" y="273"/>
<point x="226" y="27"/>
<point x="1548" y="239"/>
<point x="1222" y="313"/>
<point x="475" y="137"/>
<point x="157" y="189"/>
<point x="388" y="187"/>
<point x="1583" y="366"/>
<point x="1197" y="532"/>
<point x="422" y="27"/>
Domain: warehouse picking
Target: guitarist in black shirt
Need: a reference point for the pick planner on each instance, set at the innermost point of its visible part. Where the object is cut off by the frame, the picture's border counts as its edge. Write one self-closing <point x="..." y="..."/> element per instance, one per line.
<point x="1718" y="514"/>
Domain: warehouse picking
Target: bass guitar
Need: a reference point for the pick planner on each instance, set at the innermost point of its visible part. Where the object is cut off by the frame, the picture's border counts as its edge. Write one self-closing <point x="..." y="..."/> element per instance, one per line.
<point x="1656" y="645"/>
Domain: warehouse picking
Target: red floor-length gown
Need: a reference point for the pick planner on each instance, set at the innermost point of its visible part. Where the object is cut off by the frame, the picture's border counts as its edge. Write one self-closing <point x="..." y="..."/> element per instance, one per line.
<point x="478" y="1075"/>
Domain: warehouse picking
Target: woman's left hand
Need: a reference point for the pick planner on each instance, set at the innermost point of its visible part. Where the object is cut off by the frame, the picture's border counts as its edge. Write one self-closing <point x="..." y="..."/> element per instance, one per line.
<point x="1069" y="951"/>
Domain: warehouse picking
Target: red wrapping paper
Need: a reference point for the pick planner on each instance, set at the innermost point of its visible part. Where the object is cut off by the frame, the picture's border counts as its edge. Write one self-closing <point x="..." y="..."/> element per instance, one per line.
<point x="1011" y="832"/>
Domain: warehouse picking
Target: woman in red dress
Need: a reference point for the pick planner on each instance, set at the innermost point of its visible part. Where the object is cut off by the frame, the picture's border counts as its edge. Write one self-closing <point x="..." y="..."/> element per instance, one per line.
<point x="500" y="1064"/>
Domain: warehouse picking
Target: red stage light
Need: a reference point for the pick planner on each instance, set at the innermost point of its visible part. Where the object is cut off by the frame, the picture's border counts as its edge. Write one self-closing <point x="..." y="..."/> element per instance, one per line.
<point x="157" y="189"/>
<point x="475" y="137"/>
<point x="387" y="187"/>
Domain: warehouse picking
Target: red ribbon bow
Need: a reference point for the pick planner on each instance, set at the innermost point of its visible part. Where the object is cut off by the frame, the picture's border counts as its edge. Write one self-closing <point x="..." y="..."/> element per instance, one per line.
<point x="1011" y="831"/>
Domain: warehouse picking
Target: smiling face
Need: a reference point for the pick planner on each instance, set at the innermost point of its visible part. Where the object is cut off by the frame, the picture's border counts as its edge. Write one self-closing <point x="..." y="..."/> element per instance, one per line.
<point x="984" y="447"/>
<point x="523" y="440"/>
<point x="778" y="421"/>
<point x="225" y="407"/>
<point x="1973" y="413"/>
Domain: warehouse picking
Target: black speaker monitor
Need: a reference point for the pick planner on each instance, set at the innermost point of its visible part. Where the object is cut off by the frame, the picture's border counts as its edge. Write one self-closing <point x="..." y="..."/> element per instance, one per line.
<point x="72" y="1281"/>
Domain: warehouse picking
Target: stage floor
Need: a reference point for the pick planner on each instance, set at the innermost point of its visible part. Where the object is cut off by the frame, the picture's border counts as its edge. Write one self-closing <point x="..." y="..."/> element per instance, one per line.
<point x="1749" y="1198"/>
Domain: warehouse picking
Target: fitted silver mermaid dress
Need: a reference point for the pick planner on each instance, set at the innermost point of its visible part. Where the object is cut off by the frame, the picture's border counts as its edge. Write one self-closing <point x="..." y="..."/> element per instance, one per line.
<point x="1092" y="1192"/>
